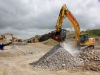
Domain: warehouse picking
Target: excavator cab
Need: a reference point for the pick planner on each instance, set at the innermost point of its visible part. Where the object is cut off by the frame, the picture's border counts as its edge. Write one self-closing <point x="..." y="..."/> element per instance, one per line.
<point x="84" y="38"/>
<point x="60" y="36"/>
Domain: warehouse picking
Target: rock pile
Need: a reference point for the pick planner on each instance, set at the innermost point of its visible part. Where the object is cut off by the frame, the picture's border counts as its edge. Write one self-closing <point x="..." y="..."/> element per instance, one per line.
<point x="58" y="58"/>
<point x="13" y="51"/>
<point x="14" y="47"/>
<point x="90" y="55"/>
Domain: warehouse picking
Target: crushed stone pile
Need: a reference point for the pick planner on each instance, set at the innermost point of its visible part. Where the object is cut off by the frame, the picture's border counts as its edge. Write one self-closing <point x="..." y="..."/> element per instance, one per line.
<point x="91" y="55"/>
<point x="13" y="51"/>
<point x="14" y="48"/>
<point x="58" y="58"/>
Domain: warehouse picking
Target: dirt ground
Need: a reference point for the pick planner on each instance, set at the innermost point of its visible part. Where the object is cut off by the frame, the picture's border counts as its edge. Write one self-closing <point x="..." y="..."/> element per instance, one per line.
<point x="18" y="62"/>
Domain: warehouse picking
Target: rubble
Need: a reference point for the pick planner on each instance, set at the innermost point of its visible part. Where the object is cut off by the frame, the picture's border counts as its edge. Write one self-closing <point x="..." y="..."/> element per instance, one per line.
<point x="91" y="55"/>
<point x="14" y="48"/>
<point x="92" y="66"/>
<point x="58" y="58"/>
<point x="13" y="51"/>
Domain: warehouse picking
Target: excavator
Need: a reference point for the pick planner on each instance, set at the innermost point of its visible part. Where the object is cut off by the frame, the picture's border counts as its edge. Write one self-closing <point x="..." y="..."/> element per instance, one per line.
<point x="81" y="39"/>
<point x="15" y="39"/>
<point x="9" y="34"/>
<point x="34" y="40"/>
<point x="4" y="35"/>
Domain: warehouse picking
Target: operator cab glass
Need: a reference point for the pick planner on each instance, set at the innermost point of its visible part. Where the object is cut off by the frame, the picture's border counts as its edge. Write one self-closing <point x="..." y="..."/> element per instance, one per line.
<point x="84" y="38"/>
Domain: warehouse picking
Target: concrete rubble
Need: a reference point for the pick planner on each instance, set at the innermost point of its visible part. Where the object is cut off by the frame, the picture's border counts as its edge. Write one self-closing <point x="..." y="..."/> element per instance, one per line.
<point x="91" y="55"/>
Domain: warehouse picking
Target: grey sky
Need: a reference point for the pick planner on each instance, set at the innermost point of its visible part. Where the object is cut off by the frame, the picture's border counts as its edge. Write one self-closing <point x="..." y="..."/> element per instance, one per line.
<point x="26" y="18"/>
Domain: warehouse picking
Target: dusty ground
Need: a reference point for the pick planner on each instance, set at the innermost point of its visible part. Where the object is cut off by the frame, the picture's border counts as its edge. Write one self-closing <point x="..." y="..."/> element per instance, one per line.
<point x="18" y="63"/>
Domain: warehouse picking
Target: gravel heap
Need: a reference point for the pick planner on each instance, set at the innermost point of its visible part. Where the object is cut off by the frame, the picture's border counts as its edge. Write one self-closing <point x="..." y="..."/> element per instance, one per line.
<point x="13" y="51"/>
<point x="14" y="48"/>
<point x="58" y="58"/>
<point x="91" y="55"/>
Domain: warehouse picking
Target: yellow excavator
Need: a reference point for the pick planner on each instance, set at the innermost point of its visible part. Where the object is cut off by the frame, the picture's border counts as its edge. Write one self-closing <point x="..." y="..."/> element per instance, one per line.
<point x="8" y="34"/>
<point x="81" y="39"/>
<point x="15" y="39"/>
<point x="2" y="37"/>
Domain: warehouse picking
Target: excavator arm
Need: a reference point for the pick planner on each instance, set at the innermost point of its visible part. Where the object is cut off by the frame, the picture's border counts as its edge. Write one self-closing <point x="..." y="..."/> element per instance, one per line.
<point x="60" y="34"/>
<point x="64" y="12"/>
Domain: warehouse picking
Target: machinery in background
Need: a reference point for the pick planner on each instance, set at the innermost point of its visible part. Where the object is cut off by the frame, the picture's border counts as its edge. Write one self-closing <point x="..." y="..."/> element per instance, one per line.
<point x="35" y="40"/>
<point x="2" y="37"/>
<point x="15" y="39"/>
<point x="9" y="34"/>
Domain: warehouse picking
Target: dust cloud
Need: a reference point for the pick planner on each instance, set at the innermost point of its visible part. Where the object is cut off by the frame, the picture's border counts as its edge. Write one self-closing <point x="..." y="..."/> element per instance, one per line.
<point x="68" y="46"/>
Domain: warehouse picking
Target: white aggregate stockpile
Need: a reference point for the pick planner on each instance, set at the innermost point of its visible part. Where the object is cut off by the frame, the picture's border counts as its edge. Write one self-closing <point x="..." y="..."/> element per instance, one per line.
<point x="58" y="58"/>
<point x="14" y="48"/>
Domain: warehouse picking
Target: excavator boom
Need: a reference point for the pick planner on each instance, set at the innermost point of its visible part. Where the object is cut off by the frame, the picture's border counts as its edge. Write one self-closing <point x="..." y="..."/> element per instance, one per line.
<point x="64" y="12"/>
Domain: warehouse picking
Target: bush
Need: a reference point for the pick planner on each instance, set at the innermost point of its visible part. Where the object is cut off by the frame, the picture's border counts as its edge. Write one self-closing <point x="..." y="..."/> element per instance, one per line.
<point x="95" y="32"/>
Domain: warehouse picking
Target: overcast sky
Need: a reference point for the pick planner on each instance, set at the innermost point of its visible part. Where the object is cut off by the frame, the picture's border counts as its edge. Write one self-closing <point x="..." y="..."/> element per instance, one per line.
<point x="27" y="18"/>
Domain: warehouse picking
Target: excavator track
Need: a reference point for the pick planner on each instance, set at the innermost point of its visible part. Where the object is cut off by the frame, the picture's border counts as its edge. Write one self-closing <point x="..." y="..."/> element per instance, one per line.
<point x="91" y="47"/>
